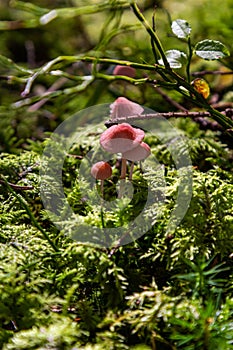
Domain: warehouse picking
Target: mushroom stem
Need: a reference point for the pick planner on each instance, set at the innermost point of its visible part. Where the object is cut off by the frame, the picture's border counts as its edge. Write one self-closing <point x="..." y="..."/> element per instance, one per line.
<point x="123" y="168"/>
<point x="131" y="171"/>
<point x="121" y="188"/>
<point x="101" y="171"/>
<point x="102" y="215"/>
<point x="102" y="187"/>
<point x="141" y="166"/>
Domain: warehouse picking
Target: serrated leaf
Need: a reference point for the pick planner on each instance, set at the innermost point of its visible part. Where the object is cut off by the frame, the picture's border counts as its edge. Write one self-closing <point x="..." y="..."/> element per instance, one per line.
<point x="211" y="50"/>
<point x="175" y="58"/>
<point x="181" y="28"/>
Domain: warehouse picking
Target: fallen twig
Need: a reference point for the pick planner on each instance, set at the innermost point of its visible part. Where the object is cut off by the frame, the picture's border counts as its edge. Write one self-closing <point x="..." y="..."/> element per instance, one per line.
<point x="169" y="99"/>
<point x="199" y="117"/>
<point x="211" y="72"/>
<point x="168" y="115"/>
<point x="16" y="187"/>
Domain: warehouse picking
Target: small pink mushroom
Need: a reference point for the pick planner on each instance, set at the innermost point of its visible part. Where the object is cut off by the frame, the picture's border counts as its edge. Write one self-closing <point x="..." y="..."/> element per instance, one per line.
<point x="123" y="108"/>
<point x="101" y="171"/>
<point x="119" y="139"/>
<point x="124" y="70"/>
<point x="142" y="151"/>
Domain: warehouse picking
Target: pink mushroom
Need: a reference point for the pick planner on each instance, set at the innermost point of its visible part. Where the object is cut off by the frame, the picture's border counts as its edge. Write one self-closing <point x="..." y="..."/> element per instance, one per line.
<point x="124" y="70"/>
<point x="120" y="139"/>
<point x="101" y="171"/>
<point x="123" y="108"/>
<point x="142" y="151"/>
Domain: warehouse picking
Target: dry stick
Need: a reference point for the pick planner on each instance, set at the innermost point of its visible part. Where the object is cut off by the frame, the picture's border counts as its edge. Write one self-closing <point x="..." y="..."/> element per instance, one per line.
<point x="52" y="88"/>
<point x="169" y="100"/>
<point x="17" y="187"/>
<point x="196" y="116"/>
<point x="221" y="106"/>
<point x="31" y="56"/>
<point x="211" y="72"/>
<point x="168" y="115"/>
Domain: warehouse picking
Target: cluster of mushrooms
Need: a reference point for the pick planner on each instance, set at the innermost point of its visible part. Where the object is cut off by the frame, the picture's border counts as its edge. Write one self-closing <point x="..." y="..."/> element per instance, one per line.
<point x="121" y="138"/>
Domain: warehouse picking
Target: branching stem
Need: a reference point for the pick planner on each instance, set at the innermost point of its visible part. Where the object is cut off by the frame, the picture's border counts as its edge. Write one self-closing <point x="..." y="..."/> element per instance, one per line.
<point x="152" y="34"/>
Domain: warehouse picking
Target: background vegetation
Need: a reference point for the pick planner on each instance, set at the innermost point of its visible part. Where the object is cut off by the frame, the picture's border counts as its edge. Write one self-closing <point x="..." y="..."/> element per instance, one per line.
<point x="161" y="291"/>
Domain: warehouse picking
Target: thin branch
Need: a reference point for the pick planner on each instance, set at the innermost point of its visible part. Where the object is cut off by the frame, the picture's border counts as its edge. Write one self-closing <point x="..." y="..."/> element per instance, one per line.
<point x="183" y="87"/>
<point x="16" y="187"/>
<point x="46" y="69"/>
<point x="116" y="62"/>
<point x="211" y="72"/>
<point x="151" y="32"/>
<point x="167" y="115"/>
<point x="199" y="117"/>
<point x="171" y="76"/>
<point x="52" y="94"/>
<point x="54" y="87"/>
<point x="170" y="100"/>
<point x="200" y="101"/>
<point x="152" y="41"/>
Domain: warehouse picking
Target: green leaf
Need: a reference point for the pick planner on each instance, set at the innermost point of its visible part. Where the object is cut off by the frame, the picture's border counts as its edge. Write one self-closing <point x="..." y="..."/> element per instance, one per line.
<point x="211" y="50"/>
<point x="181" y="28"/>
<point x="175" y="58"/>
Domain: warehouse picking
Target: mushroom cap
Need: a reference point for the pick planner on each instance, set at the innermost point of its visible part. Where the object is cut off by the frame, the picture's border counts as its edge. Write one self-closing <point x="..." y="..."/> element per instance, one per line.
<point x="122" y="107"/>
<point x="101" y="170"/>
<point x="121" y="138"/>
<point x="124" y="70"/>
<point x="142" y="151"/>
